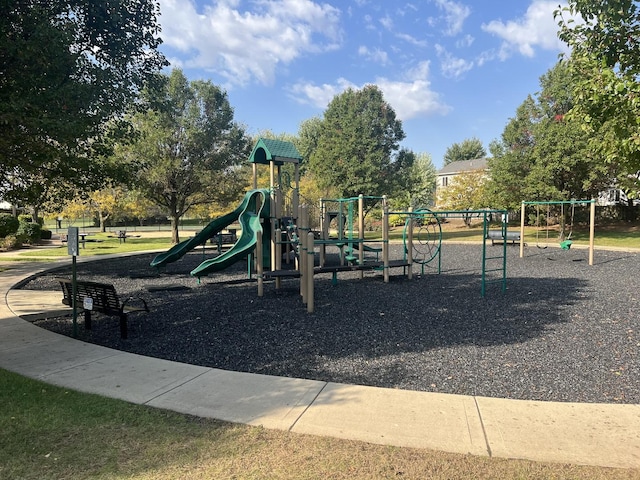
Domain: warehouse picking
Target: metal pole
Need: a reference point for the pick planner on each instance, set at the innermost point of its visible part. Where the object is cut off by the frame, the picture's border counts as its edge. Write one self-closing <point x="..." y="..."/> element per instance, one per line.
<point x="410" y="245"/>
<point x="74" y="293"/>
<point x="483" y="287"/>
<point x="361" y="231"/>
<point x="592" y="230"/>
<point x="522" y="214"/>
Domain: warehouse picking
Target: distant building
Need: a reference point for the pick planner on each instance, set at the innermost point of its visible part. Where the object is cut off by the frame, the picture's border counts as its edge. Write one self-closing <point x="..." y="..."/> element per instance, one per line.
<point x="450" y="171"/>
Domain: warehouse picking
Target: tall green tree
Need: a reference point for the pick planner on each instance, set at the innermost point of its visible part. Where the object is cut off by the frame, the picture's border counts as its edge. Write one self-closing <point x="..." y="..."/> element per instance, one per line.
<point x="543" y="155"/>
<point x="416" y="181"/>
<point x="468" y="149"/>
<point x="189" y="147"/>
<point x="605" y="61"/>
<point x="67" y="68"/>
<point x="307" y="139"/>
<point x="355" y="148"/>
<point x="510" y="161"/>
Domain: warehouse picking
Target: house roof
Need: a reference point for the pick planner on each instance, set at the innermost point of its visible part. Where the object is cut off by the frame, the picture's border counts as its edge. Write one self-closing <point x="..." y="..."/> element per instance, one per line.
<point x="279" y="151"/>
<point x="464" y="166"/>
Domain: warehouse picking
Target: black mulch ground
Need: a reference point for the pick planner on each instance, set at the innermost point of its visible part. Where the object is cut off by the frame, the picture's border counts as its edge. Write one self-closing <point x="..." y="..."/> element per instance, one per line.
<point x="563" y="331"/>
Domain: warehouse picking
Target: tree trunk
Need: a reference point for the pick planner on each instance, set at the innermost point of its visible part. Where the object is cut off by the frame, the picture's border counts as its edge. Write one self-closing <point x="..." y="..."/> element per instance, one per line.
<point x="175" y="236"/>
<point x="102" y="218"/>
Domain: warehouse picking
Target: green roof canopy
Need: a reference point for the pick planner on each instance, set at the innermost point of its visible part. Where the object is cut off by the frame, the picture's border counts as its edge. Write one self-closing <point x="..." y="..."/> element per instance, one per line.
<point x="279" y="151"/>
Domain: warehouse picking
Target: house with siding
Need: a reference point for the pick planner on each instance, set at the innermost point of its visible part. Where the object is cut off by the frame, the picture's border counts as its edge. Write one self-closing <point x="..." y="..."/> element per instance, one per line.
<point x="447" y="173"/>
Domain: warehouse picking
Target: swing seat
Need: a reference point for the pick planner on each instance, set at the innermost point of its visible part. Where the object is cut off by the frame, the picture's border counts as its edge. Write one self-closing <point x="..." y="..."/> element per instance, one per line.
<point x="566" y="245"/>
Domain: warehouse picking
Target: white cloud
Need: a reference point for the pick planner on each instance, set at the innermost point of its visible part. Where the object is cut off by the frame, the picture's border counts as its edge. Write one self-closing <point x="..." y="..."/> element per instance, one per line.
<point x="410" y="96"/>
<point x="319" y="96"/>
<point x="536" y="29"/>
<point x="454" y="16"/>
<point x="452" y="67"/>
<point x="465" y="41"/>
<point x="247" y="46"/>
<point x="412" y="40"/>
<point x="378" y="56"/>
<point x="387" y="22"/>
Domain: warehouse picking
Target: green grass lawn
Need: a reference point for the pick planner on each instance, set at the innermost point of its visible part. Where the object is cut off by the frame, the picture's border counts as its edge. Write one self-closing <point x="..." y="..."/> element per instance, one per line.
<point x="50" y="432"/>
<point x="100" y="244"/>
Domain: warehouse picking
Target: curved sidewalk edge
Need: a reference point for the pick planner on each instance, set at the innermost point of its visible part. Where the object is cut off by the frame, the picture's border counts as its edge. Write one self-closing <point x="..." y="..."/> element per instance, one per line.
<point x="589" y="434"/>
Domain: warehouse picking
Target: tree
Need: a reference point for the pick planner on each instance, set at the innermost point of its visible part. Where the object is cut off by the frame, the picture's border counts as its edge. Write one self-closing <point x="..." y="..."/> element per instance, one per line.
<point x="467" y="191"/>
<point x="415" y="180"/>
<point x="358" y="137"/>
<point x="307" y="140"/>
<point x="423" y="187"/>
<point x="605" y="62"/>
<point x="107" y="203"/>
<point x="543" y="154"/>
<point x="69" y="66"/>
<point x="510" y="163"/>
<point x="189" y="147"/>
<point x="469" y="149"/>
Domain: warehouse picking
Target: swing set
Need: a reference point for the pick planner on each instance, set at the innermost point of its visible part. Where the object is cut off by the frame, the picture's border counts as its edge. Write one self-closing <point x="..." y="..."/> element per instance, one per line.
<point x="565" y="240"/>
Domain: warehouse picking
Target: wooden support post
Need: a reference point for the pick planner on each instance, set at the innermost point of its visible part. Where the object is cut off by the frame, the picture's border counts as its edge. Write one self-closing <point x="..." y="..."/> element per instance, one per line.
<point x="260" y="263"/>
<point x="385" y="241"/>
<point x="310" y="266"/>
<point x="273" y="209"/>
<point x="255" y="175"/>
<point x="277" y="261"/>
<point x="302" y="230"/>
<point x="295" y="201"/>
<point x="324" y="228"/>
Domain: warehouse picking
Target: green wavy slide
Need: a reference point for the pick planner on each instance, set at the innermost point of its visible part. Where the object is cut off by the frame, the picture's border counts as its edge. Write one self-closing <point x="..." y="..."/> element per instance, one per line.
<point x="250" y="222"/>
<point x="179" y="250"/>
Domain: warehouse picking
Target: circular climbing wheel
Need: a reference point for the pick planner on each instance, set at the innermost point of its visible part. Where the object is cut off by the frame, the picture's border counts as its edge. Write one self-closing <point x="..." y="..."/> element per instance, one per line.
<point x="427" y="235"/>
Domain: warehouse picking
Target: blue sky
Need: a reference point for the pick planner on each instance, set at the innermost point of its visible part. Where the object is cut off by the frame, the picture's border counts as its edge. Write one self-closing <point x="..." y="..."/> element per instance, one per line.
<point x="452" y="70"/>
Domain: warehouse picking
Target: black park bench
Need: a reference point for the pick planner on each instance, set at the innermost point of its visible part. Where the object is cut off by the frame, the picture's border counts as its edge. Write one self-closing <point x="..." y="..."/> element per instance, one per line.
<point x="497" y="236"/>
<point x="104" y="299"/>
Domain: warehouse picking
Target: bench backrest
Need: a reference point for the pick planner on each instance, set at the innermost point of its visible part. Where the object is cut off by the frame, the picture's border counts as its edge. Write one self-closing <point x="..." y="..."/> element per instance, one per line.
<point x="104" y="296"/>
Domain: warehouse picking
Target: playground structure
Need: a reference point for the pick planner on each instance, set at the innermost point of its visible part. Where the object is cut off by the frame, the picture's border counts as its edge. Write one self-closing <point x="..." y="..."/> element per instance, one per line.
<point x="421" y="240"/>
<point x="565" y="242"/>
<point x="275" y="225"/>
<point x="259" y="214"/>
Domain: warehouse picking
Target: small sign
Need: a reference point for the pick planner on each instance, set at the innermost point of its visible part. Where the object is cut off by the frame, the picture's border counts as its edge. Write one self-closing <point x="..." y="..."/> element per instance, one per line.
<point x="87" y="303"/>
<point x="72" y="241"/>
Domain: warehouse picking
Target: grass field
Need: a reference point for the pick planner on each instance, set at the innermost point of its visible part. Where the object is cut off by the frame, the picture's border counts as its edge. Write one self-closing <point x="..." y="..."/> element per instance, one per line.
<point x="55" y="433"/>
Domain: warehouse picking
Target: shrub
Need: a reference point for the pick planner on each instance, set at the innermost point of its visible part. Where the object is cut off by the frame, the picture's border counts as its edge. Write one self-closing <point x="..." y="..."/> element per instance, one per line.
<point x="8" y="224"/>
<point x="30" y="232"/>
<point x="45" y="234"/>
<point x="10" y="242"/>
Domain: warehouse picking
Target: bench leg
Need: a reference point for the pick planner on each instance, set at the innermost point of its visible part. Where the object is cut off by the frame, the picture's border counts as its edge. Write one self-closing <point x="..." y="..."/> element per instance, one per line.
<point x="123" y="326"/>
<point x="87" y="319"/>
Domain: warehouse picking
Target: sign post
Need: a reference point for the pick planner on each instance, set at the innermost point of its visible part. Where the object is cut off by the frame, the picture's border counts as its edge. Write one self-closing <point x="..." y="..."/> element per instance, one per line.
<point x="72" y="249"/>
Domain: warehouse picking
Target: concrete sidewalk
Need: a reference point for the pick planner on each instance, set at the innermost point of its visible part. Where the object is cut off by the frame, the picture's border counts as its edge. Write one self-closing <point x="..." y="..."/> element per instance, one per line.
<point x="590" y="434"/>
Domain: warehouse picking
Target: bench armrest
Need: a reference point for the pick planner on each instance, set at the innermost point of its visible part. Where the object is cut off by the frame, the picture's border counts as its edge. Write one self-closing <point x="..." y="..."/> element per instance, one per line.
<point x="145" y="307"/>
